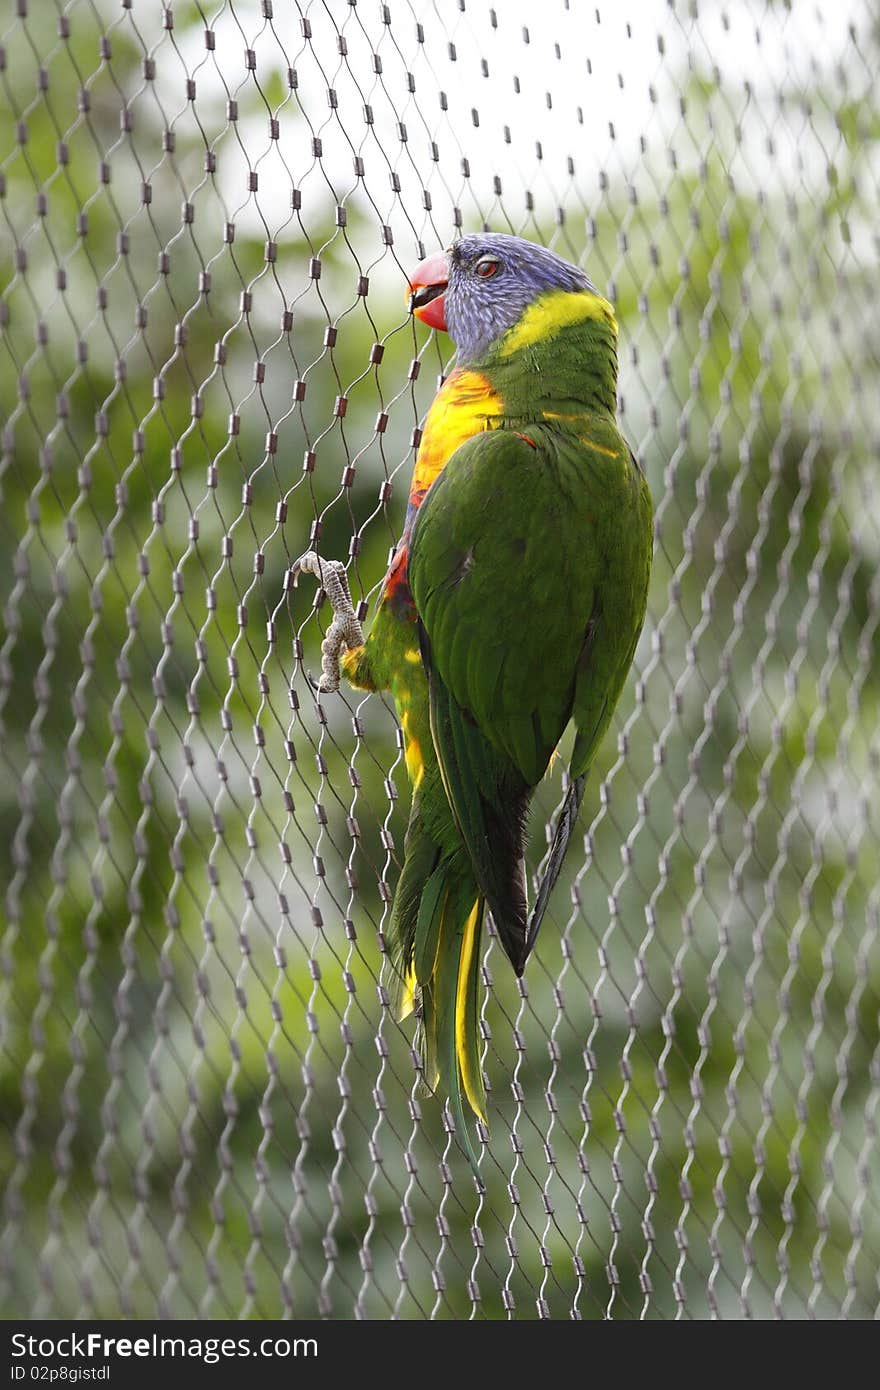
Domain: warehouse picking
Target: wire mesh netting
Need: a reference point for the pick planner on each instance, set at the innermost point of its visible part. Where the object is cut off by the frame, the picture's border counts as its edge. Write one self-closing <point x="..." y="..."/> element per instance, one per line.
<point x="209" y="1105"/>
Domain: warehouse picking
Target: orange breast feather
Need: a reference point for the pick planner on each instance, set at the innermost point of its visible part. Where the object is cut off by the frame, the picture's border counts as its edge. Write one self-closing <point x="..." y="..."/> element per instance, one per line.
<point x="464" y="406"/>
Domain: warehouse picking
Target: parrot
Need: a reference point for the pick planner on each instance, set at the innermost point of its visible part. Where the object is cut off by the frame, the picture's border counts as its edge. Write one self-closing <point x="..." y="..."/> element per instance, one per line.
<point x="511" y="609"/>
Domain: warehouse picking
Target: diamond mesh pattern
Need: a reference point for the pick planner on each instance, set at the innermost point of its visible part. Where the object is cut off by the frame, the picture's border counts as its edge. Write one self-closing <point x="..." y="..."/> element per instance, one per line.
<point x="209" y="1106"/>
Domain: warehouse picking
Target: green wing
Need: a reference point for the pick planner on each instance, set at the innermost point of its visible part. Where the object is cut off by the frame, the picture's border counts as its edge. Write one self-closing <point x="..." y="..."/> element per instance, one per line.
<point x="503" y="579"/>
<point x="530" y="592"/>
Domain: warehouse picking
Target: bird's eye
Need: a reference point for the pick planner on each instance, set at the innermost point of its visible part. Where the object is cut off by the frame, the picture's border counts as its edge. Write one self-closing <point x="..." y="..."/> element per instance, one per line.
<point x="487" y="267"/>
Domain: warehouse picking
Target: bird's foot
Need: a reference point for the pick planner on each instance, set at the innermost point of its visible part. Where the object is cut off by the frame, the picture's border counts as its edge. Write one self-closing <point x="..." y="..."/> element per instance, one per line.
<point x="344" y="630"/>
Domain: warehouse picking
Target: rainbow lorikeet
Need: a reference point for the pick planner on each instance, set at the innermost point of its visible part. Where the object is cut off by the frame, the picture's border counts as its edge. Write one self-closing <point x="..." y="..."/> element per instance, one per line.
<point x="513" y="605"/>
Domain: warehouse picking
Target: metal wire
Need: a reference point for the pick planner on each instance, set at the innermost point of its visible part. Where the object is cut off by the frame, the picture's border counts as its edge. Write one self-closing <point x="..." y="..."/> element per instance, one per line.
<point x="210" y="1107"/>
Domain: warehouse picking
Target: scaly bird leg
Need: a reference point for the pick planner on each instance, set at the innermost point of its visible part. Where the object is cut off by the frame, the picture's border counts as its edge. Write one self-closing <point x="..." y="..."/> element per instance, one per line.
<point x="344" y="630"/>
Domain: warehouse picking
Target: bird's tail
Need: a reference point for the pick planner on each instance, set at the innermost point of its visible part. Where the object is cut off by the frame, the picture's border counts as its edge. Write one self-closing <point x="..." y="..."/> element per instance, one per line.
<point x="435" y="942"/>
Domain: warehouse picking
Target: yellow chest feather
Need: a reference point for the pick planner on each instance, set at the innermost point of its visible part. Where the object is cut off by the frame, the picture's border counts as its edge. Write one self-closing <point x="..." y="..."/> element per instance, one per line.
<point x="464" y="406"/>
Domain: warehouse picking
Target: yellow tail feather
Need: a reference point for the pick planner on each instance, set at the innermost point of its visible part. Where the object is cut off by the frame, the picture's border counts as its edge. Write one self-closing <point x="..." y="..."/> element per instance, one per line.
<point x="473" y="1085"/>
<point x="407" y="999"/>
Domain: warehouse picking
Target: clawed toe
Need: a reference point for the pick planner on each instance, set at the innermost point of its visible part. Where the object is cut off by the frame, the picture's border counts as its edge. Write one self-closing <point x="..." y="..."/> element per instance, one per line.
<point x="345" y="630"/>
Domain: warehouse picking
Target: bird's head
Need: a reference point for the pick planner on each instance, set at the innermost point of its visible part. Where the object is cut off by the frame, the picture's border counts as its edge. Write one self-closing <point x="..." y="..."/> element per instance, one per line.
<point x="481" y="287"/>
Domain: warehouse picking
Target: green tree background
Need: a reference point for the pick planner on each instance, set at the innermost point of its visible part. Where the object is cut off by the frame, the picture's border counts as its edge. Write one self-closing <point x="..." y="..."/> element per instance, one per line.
<point x="208" y="1105"/>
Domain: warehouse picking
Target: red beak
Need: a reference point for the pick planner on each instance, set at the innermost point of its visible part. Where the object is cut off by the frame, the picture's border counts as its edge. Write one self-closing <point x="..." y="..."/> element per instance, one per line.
<point x="427" y="286"/>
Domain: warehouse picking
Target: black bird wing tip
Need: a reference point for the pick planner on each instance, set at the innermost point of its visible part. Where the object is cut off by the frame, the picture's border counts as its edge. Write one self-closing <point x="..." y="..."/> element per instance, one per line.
<point x="564" y="827"/>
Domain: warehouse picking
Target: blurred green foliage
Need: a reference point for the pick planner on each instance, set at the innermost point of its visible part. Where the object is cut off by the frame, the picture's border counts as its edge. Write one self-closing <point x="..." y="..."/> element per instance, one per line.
<point x="206" y="1098"/>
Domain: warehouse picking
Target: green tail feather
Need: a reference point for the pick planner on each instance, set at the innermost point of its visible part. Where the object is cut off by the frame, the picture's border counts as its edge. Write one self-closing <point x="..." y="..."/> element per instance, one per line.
<point x="421" y="859"/>
<point x="428" y="921"/>
<point x="489" y="800"/>
<point x="456" y="991"/>
<point x="435" y="942"/>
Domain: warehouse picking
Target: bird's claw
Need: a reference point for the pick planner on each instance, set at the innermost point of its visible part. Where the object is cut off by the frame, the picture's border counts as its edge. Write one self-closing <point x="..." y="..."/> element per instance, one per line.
<point x="344" y="631"/>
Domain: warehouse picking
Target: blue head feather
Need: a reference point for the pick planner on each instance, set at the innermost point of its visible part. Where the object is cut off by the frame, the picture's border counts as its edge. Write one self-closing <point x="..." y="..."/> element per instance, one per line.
<point x="480" y="310"/>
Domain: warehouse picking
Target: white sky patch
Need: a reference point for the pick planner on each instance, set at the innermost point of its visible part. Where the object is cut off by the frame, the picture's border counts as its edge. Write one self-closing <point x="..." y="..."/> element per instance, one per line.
<point x="508" y="114"/>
